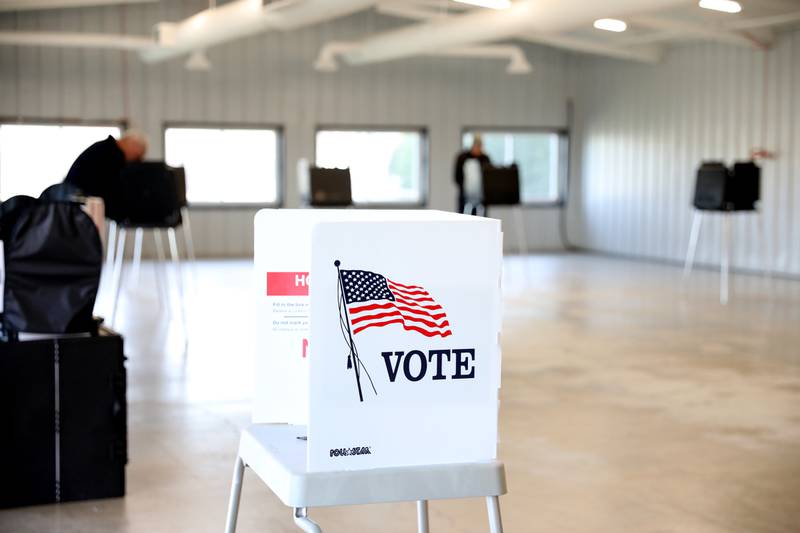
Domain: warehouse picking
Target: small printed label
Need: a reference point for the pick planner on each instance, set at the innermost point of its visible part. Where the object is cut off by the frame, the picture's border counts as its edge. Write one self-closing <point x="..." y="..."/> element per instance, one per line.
<point x="345" y="452"/>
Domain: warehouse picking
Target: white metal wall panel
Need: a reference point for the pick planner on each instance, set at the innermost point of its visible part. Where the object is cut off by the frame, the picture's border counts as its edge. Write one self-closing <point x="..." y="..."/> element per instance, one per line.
<point x="269" y="79"/>
<point x="643" y="131"/>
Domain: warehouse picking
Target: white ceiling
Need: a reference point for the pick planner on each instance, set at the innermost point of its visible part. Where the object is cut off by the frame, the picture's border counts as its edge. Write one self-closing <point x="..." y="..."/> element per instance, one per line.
<point x="439" y="27"/>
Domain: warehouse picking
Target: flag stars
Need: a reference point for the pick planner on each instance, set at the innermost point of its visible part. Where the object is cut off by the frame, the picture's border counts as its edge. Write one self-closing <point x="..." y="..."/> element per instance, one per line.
<point x="363" y="286"/>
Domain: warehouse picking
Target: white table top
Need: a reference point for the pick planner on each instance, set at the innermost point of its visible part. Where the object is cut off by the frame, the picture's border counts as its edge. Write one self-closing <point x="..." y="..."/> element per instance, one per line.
<point x="278" y="457"/>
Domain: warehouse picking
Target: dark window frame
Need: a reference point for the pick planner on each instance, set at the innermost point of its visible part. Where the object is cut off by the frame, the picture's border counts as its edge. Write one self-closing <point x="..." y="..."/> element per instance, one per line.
<point x="425" y="184"/>
<point x="280" y="171"/>
<point x="564" y="146"/>
<point x="122" y="124"/>
<point x="64" y="121"/>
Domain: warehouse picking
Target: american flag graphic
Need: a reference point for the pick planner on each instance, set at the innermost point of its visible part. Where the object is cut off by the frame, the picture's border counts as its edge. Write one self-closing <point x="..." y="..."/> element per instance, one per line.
<point x="374" y="301"/>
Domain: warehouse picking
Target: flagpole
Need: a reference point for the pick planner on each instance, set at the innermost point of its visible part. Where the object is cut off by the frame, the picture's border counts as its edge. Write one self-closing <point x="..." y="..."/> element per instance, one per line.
<point x="349" y="334"/>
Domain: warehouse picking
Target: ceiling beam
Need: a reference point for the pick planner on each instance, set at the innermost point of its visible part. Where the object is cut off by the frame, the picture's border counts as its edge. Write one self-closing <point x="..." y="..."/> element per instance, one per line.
<point x="243" y="18"/>
<point x="411" y="11"/>
<point x="642" y="54"/>
<point x="671" y="27"/>
<point x="75" y="40"/>
<point x="761" y="22"/>
<point x="544" y="19"/>
<point x="29" y="5"/>
<point x="517" y="61"/>
<point x="422" y="9"/>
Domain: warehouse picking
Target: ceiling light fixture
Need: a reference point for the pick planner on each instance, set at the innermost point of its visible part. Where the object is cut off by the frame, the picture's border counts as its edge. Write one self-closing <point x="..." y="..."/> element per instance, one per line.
<point x="726" y="6"/>
<point x="491" y="4"/>
<point x="611" y="25"/>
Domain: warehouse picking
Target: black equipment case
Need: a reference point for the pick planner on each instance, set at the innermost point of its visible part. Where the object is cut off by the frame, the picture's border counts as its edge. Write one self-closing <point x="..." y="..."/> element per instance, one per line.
<point x="63" y="415"/>
<point x="745" y="185"/>
<point x="710" y="192"/>
<point x="330" y="187"/>
<point x="721" y="189"/>
<point x="151" y="194"/>
<point x="500" y="185"/>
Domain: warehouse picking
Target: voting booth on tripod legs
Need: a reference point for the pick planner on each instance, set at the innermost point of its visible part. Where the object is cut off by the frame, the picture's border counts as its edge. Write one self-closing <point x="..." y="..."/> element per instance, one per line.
<point x="486" y="186"/>
<point x="377" y="358"/>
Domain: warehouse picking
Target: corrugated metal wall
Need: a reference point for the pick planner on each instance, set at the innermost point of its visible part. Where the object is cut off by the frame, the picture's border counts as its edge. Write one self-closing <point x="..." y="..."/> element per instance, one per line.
<point x="643" y="130"/>
<point x="269" y="80"/>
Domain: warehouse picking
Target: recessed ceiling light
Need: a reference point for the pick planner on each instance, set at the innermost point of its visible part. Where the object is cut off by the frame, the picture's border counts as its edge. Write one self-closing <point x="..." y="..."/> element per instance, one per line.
<point x="491" y="4"/>
<point x="610" y="25"/>
<point x="726" y="6"/>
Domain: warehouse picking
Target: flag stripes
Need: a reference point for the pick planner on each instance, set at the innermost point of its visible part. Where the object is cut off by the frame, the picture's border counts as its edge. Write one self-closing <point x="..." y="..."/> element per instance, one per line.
<point x="411" y="306"/>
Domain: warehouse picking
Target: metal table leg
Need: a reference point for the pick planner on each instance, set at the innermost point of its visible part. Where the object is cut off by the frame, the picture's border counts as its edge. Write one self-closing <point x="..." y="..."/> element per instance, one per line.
<point x="422" y="516"/>
<point x="236" y="492"/>
<point x="302" y="521"/>
<point x="495" y="521"/>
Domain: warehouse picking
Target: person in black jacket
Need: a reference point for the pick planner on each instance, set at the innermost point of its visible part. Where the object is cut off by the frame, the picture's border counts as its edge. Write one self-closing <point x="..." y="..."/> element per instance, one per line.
<point x="475" y="152"/>
<point x="96" y="171"/>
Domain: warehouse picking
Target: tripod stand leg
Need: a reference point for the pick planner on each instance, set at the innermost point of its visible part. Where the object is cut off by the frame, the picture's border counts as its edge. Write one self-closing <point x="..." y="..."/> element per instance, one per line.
<point x="724" y="265"/>
<point x="111" y="241"/>
<point x="693" y="237"/>
<point x="522" y="237"/>
<point x="766" y="260"/>
<point x="159" y="268"/>
<point x="138" y="236"/>
<point x="117" y="275"/>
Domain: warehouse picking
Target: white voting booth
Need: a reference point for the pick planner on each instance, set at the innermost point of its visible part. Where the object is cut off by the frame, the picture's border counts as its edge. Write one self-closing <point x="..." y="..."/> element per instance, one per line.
<point x="377" y="354"/>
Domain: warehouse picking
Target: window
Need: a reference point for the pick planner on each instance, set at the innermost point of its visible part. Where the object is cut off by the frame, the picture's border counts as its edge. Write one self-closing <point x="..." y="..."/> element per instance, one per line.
<point x="226" y="165"/>
<point x="540" y="156"/>
<point x="35" y="156"/>
<point x="386" y="167"/>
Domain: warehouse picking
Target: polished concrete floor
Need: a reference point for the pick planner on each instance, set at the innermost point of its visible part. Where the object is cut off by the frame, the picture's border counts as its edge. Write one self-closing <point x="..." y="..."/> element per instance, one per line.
<point x="631" y="402"/>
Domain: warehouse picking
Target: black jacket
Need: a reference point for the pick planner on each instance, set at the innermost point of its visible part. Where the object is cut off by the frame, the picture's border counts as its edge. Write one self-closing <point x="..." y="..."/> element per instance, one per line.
<point x="96" y="171"/>
<point x="483" y="159"/>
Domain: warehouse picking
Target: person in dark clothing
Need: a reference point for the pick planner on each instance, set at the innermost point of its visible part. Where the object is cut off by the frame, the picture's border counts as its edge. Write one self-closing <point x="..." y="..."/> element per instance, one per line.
<point x="96" y="171"/>
<point x="475" y="152"/>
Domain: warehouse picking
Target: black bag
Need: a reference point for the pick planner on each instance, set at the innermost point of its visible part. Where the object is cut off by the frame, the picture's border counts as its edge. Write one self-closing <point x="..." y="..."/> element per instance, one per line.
<point x="64" y="418"/>
<point x="149" y="195"/>
<point x="53" y="259"/>
<point x="62" y="192"/>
